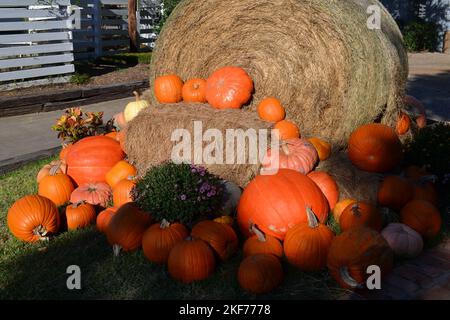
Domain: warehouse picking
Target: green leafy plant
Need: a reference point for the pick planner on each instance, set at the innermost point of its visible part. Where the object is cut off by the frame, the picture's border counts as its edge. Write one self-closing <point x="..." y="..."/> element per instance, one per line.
<point x="80" y="78"/>
<point x="430" y="148"/>
<point x="420" y="35"/>
<point x="169" y="5"/>
<point x="178" y="192"/>
<point x="74" y="125"/>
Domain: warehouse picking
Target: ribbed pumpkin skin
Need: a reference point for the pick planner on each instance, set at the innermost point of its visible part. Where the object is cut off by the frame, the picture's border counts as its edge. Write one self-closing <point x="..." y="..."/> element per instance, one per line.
<point x="375" y="148"/>
<point x="403" y="123"/>
<point x="30" y="212"/>
<point x="403" y="240"/>
<point x="91" y="158"/>
<point x="121" y="170"/>
<point x="270" y="245"/>
<point x="287" y="130"/>
<point x="340" y="207"/>
<point x="168" y="89"/>
<point x="270" y="109"/>
<point x="260" y="273"/>
<point x="94" y="193"/>
<point x="361" y="214"/>
<point x="158" y="241"/>
<point x="64" y="151"/>
<point x="219" y="236"/>
<point x="80" y="216"/>
<point x="323" y="148"/>
<point x="57" y="188"/>
<point x="127" y="227"/>
<point x="191" y="260"/>
<point x="327" y="185"/>
<point x="422" y="217"/>
<point x="104" y="218"/>
<point x="122" y="192"/>
<point x="356" y="249"/>
<point x="194" y="90"/>
<point x="276" y="203"/>
<point x="394" y="192"/>
<point x="60" y="166"/>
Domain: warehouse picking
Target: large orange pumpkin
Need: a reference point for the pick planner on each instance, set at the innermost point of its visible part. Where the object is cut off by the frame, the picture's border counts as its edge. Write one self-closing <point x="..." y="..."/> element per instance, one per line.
<point x="219" y="236"/>
<point x="276" y="203"/>
<point x="361" y="214"/>
<point x="160" y="238"/>
<point x="93" y="193"/>
<point x="194" y="90"/>
<point x="306" y="245"/>
<point x="375" y="148"/>
<point x="323" y="148"/>
<point x="394" y="192"/>
<point x="191" y="260"/>
<point x="423" y="217"/>
<point x="168" y="88"/>
<point x="56" y="187"/>
<point x="80" y="215"/>
<point x="327" y="185"/>
<point x="270" y="109"/>
<point x="104" y="218"/>
<point x="286" y="130"/>
<point x="33" y="218"/>
<point x="262" y="243"/>
<point x="121" y="170"/>
<point x="126" y="228"/>
<point x="64" y="151"/>
<point x="229" y="87"/>
<point x="353" y="251"/>
<point x="260" y="273"/>
<point x="91" y="158"/>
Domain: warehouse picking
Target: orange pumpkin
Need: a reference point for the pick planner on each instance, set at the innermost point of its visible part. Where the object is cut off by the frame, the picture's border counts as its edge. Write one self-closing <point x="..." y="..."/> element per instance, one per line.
<point x="421" y="120"/>
<point x="93" y="193"/>
<point x="225" y="220"/>
<point x="122" y="192"/>
<point x="375" y="148"/>
<point x="361" y="214"/>
<point x="121" y="170"/>
<point x="261" y="243"/>
<point x="423" y="217"/>
<point x="229" y="87"/>
<point x="194" y="90"/>
<point x="425" y="190"/>
<point x="394" y="192"/>
<point x="33" y="218"/>
<point x="323" y="148"/>
<point x="219" y="236"/>
<point x="286" y="130"/>
<point x="91" y="158"/>
<point x="58" y="166"/>
<point x="64" y="151"/>
<point x="352" y="251"/>
<point x="126" y="228"/>
<point x="56" y="187"/>
<point x="112" y="135"/>
<point x="122" y="138"/>
<point x="191" y="260"/>
<point x="104" y="218"/>
<point x="327" y="185"/>
<point x="295" y="154"/>
<point x="160" y="238"/>
<point x="306" y="245"/>
<point x="403" y="123"/>
<point x="270" y="109"/>
<point x="168" y="88"/>
<point x="80" y="215"/>
<point x="340" y="207"/>
<point x="260" y="273"/>
<point x="276" y="203"/>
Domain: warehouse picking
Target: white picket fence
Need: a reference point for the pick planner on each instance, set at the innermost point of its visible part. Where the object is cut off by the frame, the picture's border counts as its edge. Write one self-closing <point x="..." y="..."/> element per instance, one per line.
<point x="39" y="38"/>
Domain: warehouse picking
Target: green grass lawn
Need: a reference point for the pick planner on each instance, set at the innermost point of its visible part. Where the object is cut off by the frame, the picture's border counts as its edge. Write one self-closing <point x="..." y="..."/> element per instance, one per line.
<point x="38" y="271"/>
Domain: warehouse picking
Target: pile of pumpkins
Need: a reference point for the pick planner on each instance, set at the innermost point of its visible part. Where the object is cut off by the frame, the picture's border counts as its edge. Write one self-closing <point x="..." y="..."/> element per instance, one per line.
<point x="283" y="216"/>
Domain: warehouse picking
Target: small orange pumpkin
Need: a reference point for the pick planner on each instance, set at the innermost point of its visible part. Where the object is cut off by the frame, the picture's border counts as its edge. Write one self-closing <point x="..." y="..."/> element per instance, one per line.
<point x="60" y="165"/>
<point x="287" y="130"/>
<point x="423" y="217"/>
<point x="260" y="273"/>
<point x="121" y="170"/>
<point x="403" y="123"/>
<point x="361" y="214"/>
<point x="194" y="90"/>
<point x="56" y="187"/>
<point x="168" y="88"/>
<point x="323" y="148"/>
<point x="270" y="109"/>
<point x="122" y="192"/>
<point x="340" y="207"/>
<point x="80" y="215"/>
<point x="394" y="192"/>
<point x="262" y="243"/>
<point x="104" y="218"/>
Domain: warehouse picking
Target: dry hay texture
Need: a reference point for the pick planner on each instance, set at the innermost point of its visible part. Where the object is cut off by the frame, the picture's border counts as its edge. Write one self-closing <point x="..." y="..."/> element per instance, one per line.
<point x="317" y="56"/>
<point x="148" y="136"/>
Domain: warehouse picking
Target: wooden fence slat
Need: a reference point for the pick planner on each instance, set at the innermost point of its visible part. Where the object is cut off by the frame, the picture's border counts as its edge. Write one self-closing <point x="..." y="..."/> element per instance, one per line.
<point x="34" y="37"/>
<point x="38" y="72"/>
<point x="113" y="43"/>
<point x="35" y="25"/>
<point x="41" y="60"/>
<point x="114" y="12"/>
<point x="44" y="48"/>
<point x="111" y="32"/>
<point x="115" y="2"/>
<point x="25" y="3"/>
<point x="25" y="13"/>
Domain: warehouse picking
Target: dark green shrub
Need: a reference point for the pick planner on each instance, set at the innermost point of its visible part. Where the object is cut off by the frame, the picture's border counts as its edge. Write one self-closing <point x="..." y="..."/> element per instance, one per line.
<point x="421" y="35"/>
<point x="430" y="148"/>
<point x="80" y="78"/>
<point x="179" y="192"/>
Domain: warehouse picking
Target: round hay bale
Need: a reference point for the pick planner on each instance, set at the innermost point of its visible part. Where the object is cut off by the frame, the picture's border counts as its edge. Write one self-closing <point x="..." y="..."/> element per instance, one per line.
<point x="330" y="71"/>
<point x="149" y="139"/>
<point x="353" y="183"/>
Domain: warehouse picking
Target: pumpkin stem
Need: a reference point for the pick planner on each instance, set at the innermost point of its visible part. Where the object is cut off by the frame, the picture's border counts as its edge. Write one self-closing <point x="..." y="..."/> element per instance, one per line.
<point x="54" y="168"/>
<point x="348" y="279"/>
<point x="116" y="250"/>
<point x="355" y="209"/>
<point x="285" y="148"/>
<point x="137" y="95"/>
<point x="164" y="224"/>
<point x="77" y="204"/>
<point x="259" y="234"/>
<point x="41" y="232"/>
<point x="312" y="219"/>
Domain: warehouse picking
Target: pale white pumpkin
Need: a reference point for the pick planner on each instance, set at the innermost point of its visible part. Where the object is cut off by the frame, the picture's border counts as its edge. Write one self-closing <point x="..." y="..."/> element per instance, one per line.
<point x="403" y="240"/>
<point x="133" y="108"/>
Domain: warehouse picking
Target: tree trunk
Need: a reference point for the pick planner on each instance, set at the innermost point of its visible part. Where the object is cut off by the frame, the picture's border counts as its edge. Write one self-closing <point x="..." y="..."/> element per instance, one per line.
<point x="132" y="25"/>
